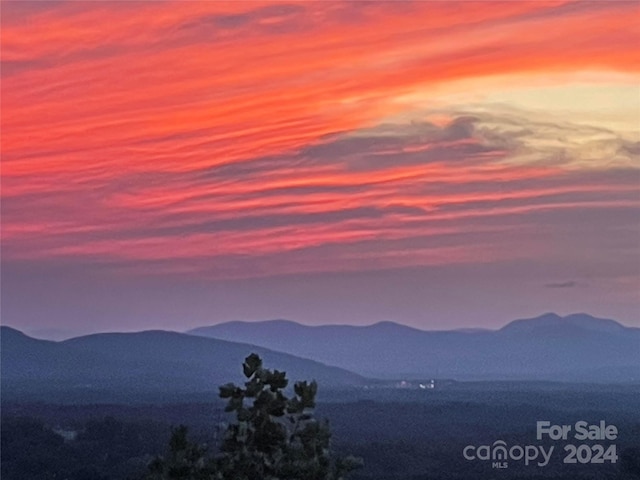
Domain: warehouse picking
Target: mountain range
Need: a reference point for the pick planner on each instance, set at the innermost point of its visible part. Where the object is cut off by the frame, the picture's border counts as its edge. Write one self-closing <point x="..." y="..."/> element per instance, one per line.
<point x="577" y="347"/>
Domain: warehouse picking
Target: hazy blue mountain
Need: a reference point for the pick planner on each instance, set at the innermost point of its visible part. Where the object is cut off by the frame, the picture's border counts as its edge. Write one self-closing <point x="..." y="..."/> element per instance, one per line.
<point x="577" y="347"/>
<point x="553" y="323"/>
<point x="141" y="362"/>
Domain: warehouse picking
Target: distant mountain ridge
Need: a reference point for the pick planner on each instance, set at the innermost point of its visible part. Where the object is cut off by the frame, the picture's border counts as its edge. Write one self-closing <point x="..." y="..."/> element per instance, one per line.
<point x="576" y="320"/>
<point x="577" y="347"/>
<point x="147" y="361"/>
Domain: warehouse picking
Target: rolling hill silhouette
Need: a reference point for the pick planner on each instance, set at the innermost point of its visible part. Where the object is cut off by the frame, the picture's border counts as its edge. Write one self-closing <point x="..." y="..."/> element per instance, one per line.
<point x="146" y="361"/>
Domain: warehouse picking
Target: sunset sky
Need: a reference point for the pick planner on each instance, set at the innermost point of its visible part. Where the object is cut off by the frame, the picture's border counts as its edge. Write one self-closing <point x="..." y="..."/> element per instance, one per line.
<point x="440" y="164"/>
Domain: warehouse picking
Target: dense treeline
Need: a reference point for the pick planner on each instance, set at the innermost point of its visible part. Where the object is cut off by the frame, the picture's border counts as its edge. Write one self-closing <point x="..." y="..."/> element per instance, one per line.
<point x="397" y="440"/>
<point x="105" y="449"/>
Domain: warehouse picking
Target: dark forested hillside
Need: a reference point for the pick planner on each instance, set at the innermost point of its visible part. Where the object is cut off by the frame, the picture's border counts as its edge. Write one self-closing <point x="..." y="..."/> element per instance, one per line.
<point x="403" y="438"/>
<point x="130" y="366"/>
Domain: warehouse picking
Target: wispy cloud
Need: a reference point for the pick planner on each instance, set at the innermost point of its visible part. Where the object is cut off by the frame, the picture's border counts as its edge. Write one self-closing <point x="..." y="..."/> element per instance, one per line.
<point x="567" y="284"/>
<point x="391" y="195"/>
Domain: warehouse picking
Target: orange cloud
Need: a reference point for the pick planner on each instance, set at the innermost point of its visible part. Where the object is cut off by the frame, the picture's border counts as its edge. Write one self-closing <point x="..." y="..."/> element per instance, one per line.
<point x="119" y="122"/>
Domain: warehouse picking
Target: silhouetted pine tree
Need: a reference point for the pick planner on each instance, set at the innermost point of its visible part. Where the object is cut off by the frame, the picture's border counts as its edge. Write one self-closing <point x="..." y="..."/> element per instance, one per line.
<point x="273" y="438"/>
